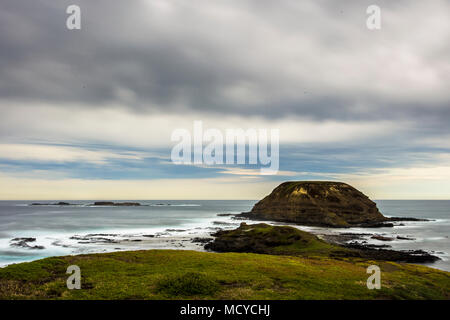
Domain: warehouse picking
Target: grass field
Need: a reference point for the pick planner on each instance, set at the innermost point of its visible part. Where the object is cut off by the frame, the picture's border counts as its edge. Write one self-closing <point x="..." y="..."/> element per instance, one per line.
<point x="172" y="274"/>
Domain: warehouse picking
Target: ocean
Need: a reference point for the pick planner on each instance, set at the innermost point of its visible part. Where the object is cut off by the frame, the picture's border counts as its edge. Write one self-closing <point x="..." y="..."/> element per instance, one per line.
<point x="53" y="230"/>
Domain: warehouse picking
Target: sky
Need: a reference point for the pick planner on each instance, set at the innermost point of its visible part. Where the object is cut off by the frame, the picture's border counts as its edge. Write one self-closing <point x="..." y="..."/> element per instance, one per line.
<point x="89" y="113"/>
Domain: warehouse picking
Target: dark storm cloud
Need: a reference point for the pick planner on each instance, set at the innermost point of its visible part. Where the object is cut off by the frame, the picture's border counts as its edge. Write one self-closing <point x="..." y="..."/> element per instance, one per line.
<point x="269" y="58"/>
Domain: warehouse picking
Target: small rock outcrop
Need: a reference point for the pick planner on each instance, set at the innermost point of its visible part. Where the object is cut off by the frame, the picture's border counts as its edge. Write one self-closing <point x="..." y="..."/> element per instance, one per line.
<point x="116" y="204"/>
<point x="24" y="243"/>
<point x="61" y="203"/>
<point x="267" y="239"/>
<point x="318" y="203"/>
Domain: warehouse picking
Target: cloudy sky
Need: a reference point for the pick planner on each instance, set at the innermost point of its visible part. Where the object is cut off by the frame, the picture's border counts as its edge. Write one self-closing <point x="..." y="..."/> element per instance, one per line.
<point x="88" y="114"/>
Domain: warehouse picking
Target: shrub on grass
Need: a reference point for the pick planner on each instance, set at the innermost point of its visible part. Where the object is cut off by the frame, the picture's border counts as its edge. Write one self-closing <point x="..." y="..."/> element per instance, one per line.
<point x="188" y="284"/>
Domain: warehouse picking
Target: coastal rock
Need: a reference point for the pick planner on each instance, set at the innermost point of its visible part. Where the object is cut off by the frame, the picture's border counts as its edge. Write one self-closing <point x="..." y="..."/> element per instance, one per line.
<point x="201" y="240"/>
<point x="61" y="203"/>
<point x="286" y="240"/>
<point x="407" y="219"/>
<point x="118" y="204"/>
<point x="409" y="256"/>
<point x="318" y="203"/>
<point x="263" y="238"/>
<point x="92" y="238"/>
<point x="223" y="223"/>
<point x="405" y="238"/>
<point x="381" y="238"/>
<point x="23" y="243"/>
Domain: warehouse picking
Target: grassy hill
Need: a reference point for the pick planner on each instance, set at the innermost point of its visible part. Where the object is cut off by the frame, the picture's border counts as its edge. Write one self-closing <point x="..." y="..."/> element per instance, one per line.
<point x="279" y="240"/>
<point x="172" y="274"/>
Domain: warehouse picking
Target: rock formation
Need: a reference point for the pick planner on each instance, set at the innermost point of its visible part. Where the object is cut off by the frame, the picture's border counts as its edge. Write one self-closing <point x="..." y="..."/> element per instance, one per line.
<point x="286" y="240"/>
<point x="117" y="204"/>
<point x="318" y="203"/>
<point x="263" y="238"/>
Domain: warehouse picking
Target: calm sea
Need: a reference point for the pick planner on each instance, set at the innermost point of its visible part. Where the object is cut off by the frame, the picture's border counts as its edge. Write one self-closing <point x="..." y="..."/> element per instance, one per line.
<point x="62" y="230"/>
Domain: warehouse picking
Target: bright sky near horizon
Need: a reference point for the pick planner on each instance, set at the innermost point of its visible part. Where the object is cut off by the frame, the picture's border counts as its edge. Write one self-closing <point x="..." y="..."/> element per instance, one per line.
<point x="88" y="114"/>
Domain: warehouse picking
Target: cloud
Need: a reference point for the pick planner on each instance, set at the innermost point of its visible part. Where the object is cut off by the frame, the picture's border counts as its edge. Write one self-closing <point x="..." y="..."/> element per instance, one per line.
<point x="98" y="106"/>
<point x="240" y="57"/>
<point x="116" y="126"/>
<point x="40" y="153"/>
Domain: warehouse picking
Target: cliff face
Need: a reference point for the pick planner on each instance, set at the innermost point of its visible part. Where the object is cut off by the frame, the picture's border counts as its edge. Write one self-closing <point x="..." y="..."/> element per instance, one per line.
<point x="317" y="203"/>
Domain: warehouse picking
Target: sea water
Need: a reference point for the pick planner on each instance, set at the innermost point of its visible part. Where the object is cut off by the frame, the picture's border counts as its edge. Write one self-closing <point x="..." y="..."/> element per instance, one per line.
<point x="62" y="230"/>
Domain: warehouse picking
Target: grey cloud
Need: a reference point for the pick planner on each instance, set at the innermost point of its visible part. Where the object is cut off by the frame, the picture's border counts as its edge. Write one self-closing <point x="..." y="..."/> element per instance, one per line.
<point x="271" y="58"/>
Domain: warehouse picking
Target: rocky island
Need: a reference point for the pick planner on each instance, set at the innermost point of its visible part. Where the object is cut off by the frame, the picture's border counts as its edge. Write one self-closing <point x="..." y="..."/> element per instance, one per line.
<point x="116" y="204"/>
<point x="61" y="203"/>
<point x="320" y="203"/>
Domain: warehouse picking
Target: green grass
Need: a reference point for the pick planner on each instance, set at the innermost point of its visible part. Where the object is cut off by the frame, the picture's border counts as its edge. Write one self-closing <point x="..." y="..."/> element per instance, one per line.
<point x="171" y="274"/>
<point x="188" y="284"/>
<point x="280" y="240"/>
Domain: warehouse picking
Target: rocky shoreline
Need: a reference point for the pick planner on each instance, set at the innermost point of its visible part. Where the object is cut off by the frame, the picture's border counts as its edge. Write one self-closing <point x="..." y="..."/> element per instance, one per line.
<point x="270" y="240"/>
<point x="24" y="243"/>
<point x="388" y="223"/>
<point x="379" y="252"/>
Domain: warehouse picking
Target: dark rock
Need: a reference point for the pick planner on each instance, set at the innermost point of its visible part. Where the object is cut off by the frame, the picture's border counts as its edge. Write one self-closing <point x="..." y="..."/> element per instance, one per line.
<point x="23" y="243"/>
<point x="318" y="203"/>
<point x="76" y="237"/>
<point x="342" y="238"/>
<point x="118" y="204"/>
<point x="406" y="219"/>
<point x="24" y="239"/>
<point x="376" y="225"/>
<point x="381" y="238"/>
<point x="202" y="240"/>
<point x="354" y="234"/>
<point x="103" y="203"/>
<point x="62" y="203"/>
<point x="92" y="239"/>
<point x="376" y="246"/>
<point x="263" y="238"/>
<point x="222" y="223"/>
<point x="225" y="214"/>
<point x="410" y="256"/>
<point x="404" y="238"/>
<point x="127" y="204"/>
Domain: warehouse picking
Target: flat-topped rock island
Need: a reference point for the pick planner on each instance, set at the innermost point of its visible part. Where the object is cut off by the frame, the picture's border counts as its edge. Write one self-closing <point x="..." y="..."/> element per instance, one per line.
<point x="319" y="203"/>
